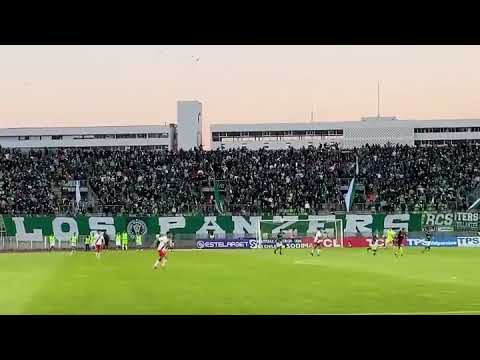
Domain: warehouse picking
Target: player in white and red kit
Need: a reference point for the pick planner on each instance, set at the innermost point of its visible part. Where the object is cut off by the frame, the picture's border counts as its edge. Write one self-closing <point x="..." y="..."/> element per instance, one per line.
<point x="164" y="242"/>
<point x="317" y="242"/>
<point x="99" y="242"/>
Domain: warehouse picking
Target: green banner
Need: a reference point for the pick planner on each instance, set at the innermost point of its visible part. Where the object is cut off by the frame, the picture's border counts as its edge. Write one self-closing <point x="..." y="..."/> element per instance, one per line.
<point x="452" y="221"/>
<point x="34" y="228"/>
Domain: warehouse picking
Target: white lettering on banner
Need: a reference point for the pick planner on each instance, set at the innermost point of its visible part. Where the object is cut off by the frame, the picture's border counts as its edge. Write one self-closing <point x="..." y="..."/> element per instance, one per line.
<point x="393" y="221"/>
<point x="329" y="243"/>
<point x="467" y="220"/>
<point x="242" y="225"/>
<point x="380" y="242"/>
<point x="222" y="244"/>
<point x="468" y="241"/>
<point x="430" y="221"/>
<point x="415" y="242"/>
<point x="57" y="228"/>
<point x="286" y="220"/>
<point x="22" y="235"/>
<point x="467" y="216"/>
<point x="318" y="223"/>
<point x="439" y="219"/>
<point x="103" y="223"/>
<point x="210" y="224"/>
<point x="436" y="243"/>
<point x="270" y="244"/>
<point x="295" y="246"/>
<point x="358" y="223"/>
<point x="171" y="222"/>
<point x="448" y="219"/>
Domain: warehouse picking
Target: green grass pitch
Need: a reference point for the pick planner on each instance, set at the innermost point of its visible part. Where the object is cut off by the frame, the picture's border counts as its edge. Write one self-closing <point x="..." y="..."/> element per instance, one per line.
<point x="339" y="281"/>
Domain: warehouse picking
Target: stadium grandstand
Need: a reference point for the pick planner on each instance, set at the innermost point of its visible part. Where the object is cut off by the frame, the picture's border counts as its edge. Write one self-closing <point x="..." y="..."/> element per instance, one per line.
<point x="277" y="169"/>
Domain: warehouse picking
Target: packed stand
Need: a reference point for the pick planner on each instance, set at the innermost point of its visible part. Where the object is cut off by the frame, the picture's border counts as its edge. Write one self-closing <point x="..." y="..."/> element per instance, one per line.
<point x="26" y="182"/>
<point x="310" y="180"/>
<point x="416" y="178"/>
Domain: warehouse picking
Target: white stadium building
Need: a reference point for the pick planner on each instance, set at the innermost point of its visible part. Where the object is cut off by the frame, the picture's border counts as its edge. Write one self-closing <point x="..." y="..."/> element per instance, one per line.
<point x="187" y="133"/>
<point x="153" y="136"/>
<point x="348" y="134"/>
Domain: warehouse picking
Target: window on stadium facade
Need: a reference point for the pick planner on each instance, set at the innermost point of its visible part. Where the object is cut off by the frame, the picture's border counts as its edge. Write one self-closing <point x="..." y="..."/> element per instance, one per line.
<point x="157" y="135"/>
<point x="126" y="136"/>
<point x="442" y="130"/>
<point x="447" y="142"/>
<point x="284" y="135"/>
<point x="104" y="136"/>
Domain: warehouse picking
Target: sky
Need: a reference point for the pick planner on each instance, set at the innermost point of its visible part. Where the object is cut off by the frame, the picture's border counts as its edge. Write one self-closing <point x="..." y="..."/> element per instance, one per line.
<point x="134" y="85"/>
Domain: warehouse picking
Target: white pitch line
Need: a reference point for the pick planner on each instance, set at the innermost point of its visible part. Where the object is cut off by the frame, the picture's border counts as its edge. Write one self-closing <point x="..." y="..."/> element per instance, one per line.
<point x="303" y="262"/>
<point x="418" y="313"/>
<point x="466" y="312"/>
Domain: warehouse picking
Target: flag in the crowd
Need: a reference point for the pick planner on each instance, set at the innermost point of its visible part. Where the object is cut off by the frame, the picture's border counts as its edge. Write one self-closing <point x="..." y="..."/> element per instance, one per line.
<point x="351" y="189"/>
<point x="475" y="205"/>
<point x="77" y="192"/>
<point x="350" y="194"/>
<point x="218" y="198"/>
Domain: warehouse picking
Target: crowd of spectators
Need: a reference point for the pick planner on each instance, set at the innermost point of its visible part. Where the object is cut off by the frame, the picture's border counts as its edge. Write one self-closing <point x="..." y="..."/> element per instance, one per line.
<point x="141" y="181"/>
<point x="26" y="182"/>
<point x="412" y="178"/>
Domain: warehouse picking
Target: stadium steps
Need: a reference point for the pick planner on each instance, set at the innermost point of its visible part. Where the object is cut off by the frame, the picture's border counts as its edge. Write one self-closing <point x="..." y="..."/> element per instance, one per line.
<point x="57" y="192"/>
<point x="92" y="195"/>
<point x="218" y="185"/>
<point x="3" y="230"/>
<point x="474" y="195"/>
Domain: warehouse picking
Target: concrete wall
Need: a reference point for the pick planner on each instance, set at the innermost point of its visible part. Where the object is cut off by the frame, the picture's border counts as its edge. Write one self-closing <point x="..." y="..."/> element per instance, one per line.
<point x="189" y="124"/>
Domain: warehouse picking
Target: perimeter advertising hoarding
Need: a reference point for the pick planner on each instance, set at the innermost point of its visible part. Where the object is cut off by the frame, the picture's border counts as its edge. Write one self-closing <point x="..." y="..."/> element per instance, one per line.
<point x="468" y="241"/>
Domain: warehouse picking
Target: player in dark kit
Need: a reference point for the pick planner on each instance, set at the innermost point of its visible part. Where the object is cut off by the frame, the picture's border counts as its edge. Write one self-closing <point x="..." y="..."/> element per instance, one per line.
<point x="428" y="239"/>
<point x="106" y="239"/>
<point x="278" y="243"/>
<point x="400" y="242"/>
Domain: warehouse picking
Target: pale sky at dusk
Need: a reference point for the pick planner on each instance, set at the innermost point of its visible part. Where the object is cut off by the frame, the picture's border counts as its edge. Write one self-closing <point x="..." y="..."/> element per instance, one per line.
<point x="133" y="85"/>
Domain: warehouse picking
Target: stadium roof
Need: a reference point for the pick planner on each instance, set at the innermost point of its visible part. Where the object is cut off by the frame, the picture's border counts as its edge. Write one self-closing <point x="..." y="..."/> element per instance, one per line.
<point x="87" y="130"/>
<point x="368" y="123"/>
